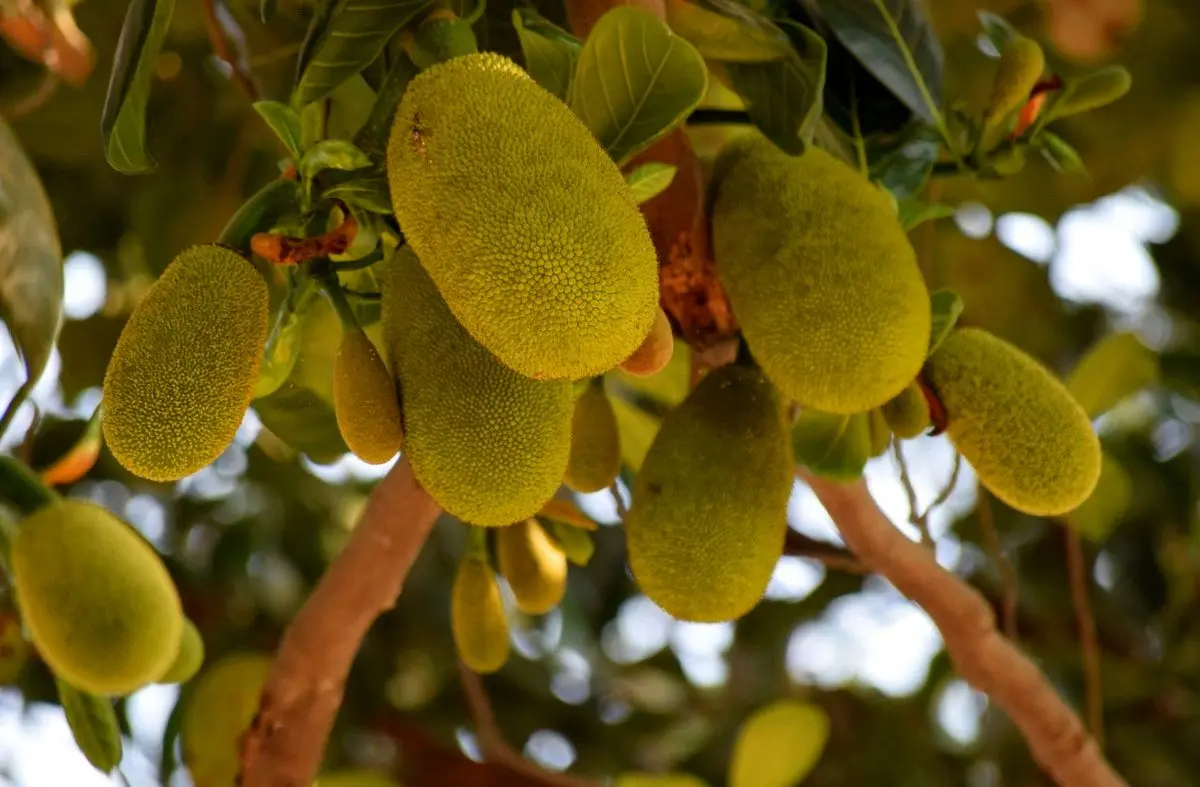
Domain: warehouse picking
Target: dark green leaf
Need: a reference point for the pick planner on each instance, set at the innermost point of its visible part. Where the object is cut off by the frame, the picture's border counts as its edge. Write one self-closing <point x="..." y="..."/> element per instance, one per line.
<point x="904" y="168"/>
<point x="997" y="30"/>
<point x="550" y="52"/>
<point x="832" y="446"/>
<point x="915" y="211"/>
<point x="649" y="180"/>
<point x="284" y="121"/>
<point x="635" y="81"/>
<point x="947" y="307"/>
<point x="266" y="10"/>
<point x="373" y="136"/>
<point x="303" y="420"/>
<point x="332" y="154"/>
<point x="370" y="193"/>
<point x="93" y="722"/>
<point x="1116" y="367"/>
<point x="727" y="31"/>
<point x="272" y="202"/>
<point x="123" y="123"/>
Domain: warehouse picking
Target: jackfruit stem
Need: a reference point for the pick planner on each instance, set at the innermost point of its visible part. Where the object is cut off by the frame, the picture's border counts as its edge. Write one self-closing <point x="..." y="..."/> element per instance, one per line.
<point x="20" y="486"/>
<point x="332" y="287"/>
<point x="477" y="544"/>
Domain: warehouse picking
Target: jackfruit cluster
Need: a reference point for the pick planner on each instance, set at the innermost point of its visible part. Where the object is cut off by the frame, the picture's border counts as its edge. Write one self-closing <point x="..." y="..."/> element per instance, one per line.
<point x="477" y="617"/>
<point x="181" y="376"/>
<point x="595" y="457"/>
<point x="522" y="220"/>
<point x="219" y="710"/>
<point x="533" y="564"/>
<point x="364" y="400"/>
<point x="97" y="600"/>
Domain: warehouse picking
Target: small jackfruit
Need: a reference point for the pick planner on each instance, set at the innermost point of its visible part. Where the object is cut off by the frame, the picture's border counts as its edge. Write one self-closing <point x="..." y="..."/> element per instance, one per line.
<point x="595" y="445"/>
<point x="365" y="401"/>
<point x="524" y="223"/>
<point x="655" y="351"/>
<point x="821" y="276"/>
<point x="98" y="602"/>
<point x="190" y="657"/>
<point x="709" y="511"/>
<point x="878" y="432"/>
<point x="907" y="413"/>
<point x="575" y="543"/>
<point x="1021" y="65"/>
<point x="218" y="712"/>
<point x="1030" y="442"/>
<point x="180" y="378"/>
<point x="778" y="745"/>
<point x="533" y="564"/>
<point x="477" y="617"/>
<point x="488" y="444"/>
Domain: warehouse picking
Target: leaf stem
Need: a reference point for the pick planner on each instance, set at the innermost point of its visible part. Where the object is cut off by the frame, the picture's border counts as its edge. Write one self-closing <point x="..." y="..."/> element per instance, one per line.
<point x="20" y="486"/>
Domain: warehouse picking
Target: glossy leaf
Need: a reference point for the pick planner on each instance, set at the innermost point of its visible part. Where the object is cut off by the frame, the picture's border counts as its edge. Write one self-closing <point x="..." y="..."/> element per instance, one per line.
<point x="728" y="31"/>
<point x="915" y="212"/>
<point x="284" y="121"/>
<point x="998" y="31"/>
<point x="1115" y="368"/>
<point x="649" y="180"/>
<point x="1060" y="153"/>
<point x="550" y="52"/>
<point x="779" y="745"/>
<point x="832" y="446"/>
<point x="1100" y="514"/>
<point x="636" y="429"/>
<point x="332" y="154"/>
<point x="946" y="308"/>
<point x="905" y="168"/>
<point x="273" y="202"/>
<point x="370" y="193"/>
<point x="123" y="123"/>
<point x="93" y="722"/>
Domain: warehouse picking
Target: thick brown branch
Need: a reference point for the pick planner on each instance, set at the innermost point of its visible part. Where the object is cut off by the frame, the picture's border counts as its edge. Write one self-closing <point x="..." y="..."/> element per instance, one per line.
<point x="284" y="746"/>
<point x="800" y="545"/>
<point x="987" y="660"/>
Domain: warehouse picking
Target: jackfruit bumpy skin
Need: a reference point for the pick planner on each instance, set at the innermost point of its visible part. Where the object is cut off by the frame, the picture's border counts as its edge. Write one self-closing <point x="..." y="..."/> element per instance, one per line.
<point x="522" y="220"/>
<point x="534" y="565"/>
<point x="1030" y="442"/>
<point x="96" y="598"/>
<point x="595" y="442"/>
<point x="908" y="412"/>
<point x="488" y="444"/>
<point x="709" y="510"/>
<point x="180" y="378"/>
<point x="365" y="401"/>
<point x="820" y="275"/>
<point x="477" y="617"/>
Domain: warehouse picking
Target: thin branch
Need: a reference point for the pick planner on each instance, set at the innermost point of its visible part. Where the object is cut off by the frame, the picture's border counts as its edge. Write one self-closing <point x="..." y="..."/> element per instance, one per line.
<point x="915" y="518"/>
<point x="614" y="490"/>
<point x="799" y="545"/>
<point x="1088" y="642"/>
<point x="987" y="660"/>
<point x="284" y="745"/>
<point x="1008" y="575"/>
<point x="220" y="45"/>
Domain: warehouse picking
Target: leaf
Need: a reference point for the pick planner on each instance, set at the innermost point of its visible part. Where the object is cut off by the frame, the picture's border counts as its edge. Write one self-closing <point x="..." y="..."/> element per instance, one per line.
<point x="833" y="446"/>
<point x="284" y="342"/>
<point x="123" y="122"/>
<point x="303" y="420"/>
<point x="636" y="429"/>
<point x="669" y="387"/>
<point x="779" y="745"/>
<point x="369" y="193"/>
<point x="551" y="53"/>
<point x="915" y="211"/>
<point x="332" y="154"/>
<point x="998" y="31"/>
<point x="904" y="170"/>
<point x="1060" y="153"/>
<point x="635" y="81"/>
<point x="576" y="544"/>
<point x="373" y="136"/>
<point x="93" y="722"/>
<point x="284" y="121"/>
<point x="565" y="512"/>
<point x="1115" y="368"/>
<point x="1100" y="514"/>
<point x="727" y="31"/>
<point x="883" y="35"/>
<point x="658" y="780"/>
<point x="946" y="308"/>
<point x="270" y="204"/>
<point x="649" y="180"/>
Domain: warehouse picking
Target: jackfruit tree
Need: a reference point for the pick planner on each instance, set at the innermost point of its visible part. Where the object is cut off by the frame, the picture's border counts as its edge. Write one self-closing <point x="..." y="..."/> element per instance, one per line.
<point x="578" y="393"/>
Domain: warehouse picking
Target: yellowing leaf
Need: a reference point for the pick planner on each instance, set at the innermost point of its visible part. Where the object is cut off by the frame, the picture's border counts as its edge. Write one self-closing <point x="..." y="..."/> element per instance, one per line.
<point x="778" y="745"/>
<point x="637" y="429"/>
<point x="659" y="780"/>
<point x="1115" y="367"/>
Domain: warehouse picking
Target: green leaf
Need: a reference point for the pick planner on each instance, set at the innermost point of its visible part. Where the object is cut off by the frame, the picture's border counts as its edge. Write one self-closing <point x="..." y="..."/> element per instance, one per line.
<point x="649" y="180"/>
<point x="284" y="121"/>
<point x="635" y="81"/>
<point x="1100" y="514"/>
<point x="946" y="308"/>
<point x="1116" y="367"/>
<point x="904" y="169"/>
<point x="332" y="154"/>
<point x="1060" y="153"/>
<point x="779" y="745"/>
<point x="93" y="722"/>
<point x="551" y="53"/>
<point x="576" y="543"/>
<point x="304" y="420"/>
<point x="636" y="429"/>
<point x="123" y="122"/>
<point x="915" y="211"/>
<point x="1093" y="91"/>
<point x="997" y="30"/>
<point x="833" y="446"/>
<point x="373" y="136"/>
<point x="369" y="193"/>
<point x="270" y="204"/>
<point x="284" y="342"/>
<point x="727" y="31"/>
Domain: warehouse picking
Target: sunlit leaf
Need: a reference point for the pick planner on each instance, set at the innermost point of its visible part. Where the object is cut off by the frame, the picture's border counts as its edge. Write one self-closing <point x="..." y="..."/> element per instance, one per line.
<point x="649" y="180"/>
<point x="637" y="429"/>
<point x="332" y="154"/>
<point x="284" y="121"/>
<point x="123" y="123"/>
<point x="369" y="193"/>
<point x="915" y="212"/>
<point x="833" y="446"/>
<point x="576" y="544"/>
<point x="550" y="52"/>
<point x="93" y="722"/>
<point x="728" y="31"/>
<point x="1060" y="153"/>
<point x="946" y="308"/>
<point x="284" y="342"/>
<point x="1116" y="367"/>
<point x="669" y="386"/>
<point x="303" y="420"/>
<point x="779" y="745"/>
<point x="1100" y="514"/>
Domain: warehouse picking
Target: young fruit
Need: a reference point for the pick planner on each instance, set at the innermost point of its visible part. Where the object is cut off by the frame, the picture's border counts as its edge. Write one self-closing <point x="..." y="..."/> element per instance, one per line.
<point x="655" y="351"/>
<point x="189" y="658"/>
<point x="477" y="617"/>
<point x="534" y="565"/>
<point x="1021" y="65"/>
<point x="907" y="413"/>
<point x="595" y="456"/>
<point x="365" y="401"/>
<point x="221" y="708"/>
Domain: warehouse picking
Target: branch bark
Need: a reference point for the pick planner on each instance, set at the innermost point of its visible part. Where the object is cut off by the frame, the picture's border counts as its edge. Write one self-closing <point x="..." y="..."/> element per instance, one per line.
<point x="987" y="660"/>
<point x="285" y="743"/>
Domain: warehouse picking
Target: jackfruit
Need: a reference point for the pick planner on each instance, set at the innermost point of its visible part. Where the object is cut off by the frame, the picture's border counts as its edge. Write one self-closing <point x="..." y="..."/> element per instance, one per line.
<point x="778" y="745"/>
<point x="99" y="604"/>
<point x="1021" y="65"/>
<point x="576" y="544"/>
<point x="189" y="658"/>
<point x="180" y="378"/>
<point x="595" y="456"/>
<point x="709" y="510"/>
<point x="907" y="413"/>
<point x="221" y="708"/>
<point x="820" y="274"/>
<point x="488" y="444"/>
<point x="1030" y="442"/>
<point x="477" y="617"/>
<point x="524" y="223"/>
<point x="878" y="432"/>
<point x="655" y="351"/>
<point x="365" y="401"/>
<point x="533" y="564"/>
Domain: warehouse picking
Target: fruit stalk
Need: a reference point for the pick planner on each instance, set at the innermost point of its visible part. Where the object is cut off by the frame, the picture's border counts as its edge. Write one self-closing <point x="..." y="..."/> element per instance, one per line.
<point x="21" y="487"/>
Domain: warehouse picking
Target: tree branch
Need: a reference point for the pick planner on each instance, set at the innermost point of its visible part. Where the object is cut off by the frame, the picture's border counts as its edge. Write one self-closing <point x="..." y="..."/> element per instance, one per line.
<point x="1089" y="644"/>
<point x="987" y="660"/>
<point x="285" y="743"/>
<point x="799" y="545"/>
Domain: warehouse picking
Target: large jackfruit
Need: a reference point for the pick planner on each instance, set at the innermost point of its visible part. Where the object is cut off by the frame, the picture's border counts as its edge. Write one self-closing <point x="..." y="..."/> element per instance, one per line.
<point x="365" y="401"/>
<point x="522" y="220"/>
<point x="534" y="566"/>
<point x="709" y="510"/>
<point x="1030" y="442"/>
<point x="180" y="378"/>
<point x="490" y="445"/>
<point x="96" y="598"/>
<point x="221" y="708"/>
<point x="477" y="617"/>
<point x="595" y="444"/>
<point x="820" y="274"/>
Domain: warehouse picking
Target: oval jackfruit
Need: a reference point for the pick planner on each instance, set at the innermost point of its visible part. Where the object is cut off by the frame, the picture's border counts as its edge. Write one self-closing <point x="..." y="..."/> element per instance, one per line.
<point x="365" y="401"/>
<point x="98" y="602"/>
<point x="189" y="658"/>
<point x="709" y="510"/>
<point x="525" y="224"/>
<point x="180" y="378"/>
<point x="1030" y="442"/>
<point x="655" y="351"/>
<point x="477" y="617"/>
<point x="534" y="566"/>
<point x="488" y="444"/>
<point x="221" y="708"/>
<point x="1021" y="65"/>
<point x="820" y="275"/>
<point x="908" y="412"/>
<point x="595" y="456"/>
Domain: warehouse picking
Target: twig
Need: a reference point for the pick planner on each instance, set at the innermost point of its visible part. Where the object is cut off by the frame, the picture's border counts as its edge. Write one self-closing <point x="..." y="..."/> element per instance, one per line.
<point x="285" y="743"/>
<point x="220" y="45"/>
<point x="1008" y="575"/>
<point x="799" y="545"/>
<point x="987" y="660"/>
<point x="1088" y="642"/>
<point x="915" y="518"/>
<point x="614" y="489"/>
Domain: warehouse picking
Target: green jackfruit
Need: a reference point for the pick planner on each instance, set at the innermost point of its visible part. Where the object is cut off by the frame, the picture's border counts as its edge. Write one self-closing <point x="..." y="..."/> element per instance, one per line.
<point x="365" y="400"/>
<point x="477" y="617"/>
<point x="907" y="413"/>
<point x="221" y="708"/>
<point x="96" y="598"/>
<point x="190" y="657"/>
<point x="595" y="445"/>
<point x="1021" y="65"/>
<point x="778" y="745"/>
<point x="180" y="378"/>
<point x="878" y="432"/>
<point x="1030" y="442"/>
<point x="709" y="510"/>
<point x="490" y="445"/>
<point x="655" y="351"/>
<point x="821" y="276"/>
<point x="525" y="224"/>
<point x="533" y="564"/>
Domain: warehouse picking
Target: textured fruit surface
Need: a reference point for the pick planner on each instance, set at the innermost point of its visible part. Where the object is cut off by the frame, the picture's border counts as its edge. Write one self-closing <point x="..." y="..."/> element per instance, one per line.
<point x="221" y="708"/>
<point x="1030" y="442"/>
<point x="522" y="220"/>
<point x="477" y="617"/>
<point x="96" y="598"/>
<point x="595" y="445"/>
<point x="180" y="378"/>
<point x="1020" y="68"/>
<point x="778" y="745"/>
<point x="655" y="351"/>
<point x="534" y="565"/>
<point x="821" y="276"/>
<point x="709" y="510"/>
<point x="189" y="658"/>
<point x="490" y="445"/>
<point x="365" y="400"/>
<point x="908" y="413"/>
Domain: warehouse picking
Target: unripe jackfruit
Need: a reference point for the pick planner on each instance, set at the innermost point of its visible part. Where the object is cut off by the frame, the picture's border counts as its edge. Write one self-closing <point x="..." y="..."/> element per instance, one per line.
<point x="365" y="400"/>
<point x="189" y="658"/>
<point x="1021" y="65"/>
<point x="488" y="444"/>
<point x="1030" y="442"/>
<point x="221" y="708"/>
<point x="709" y="510"/>
<point x="595" y="445"/>
<point x="534" y="565"/>
<point x="821" y="276"/>
<point x="655" y="351"/>
<point x="908" y="412"/>
<point x="878" y="432"/>
<point x="96" y="598"/>
<point x="524" y="223"/>
<point x="477" y="617"/>
<point x="180" y="378"/>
